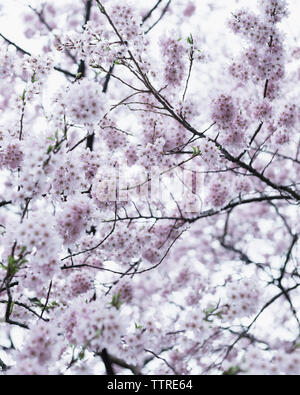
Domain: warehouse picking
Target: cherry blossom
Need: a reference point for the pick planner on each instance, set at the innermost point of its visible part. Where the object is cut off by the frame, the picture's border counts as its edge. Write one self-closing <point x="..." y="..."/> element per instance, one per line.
<point x="149" y="189"/>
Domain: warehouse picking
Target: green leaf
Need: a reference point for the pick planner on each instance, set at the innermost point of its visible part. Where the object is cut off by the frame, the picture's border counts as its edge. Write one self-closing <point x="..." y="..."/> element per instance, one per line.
<point x="33" y="78"/>
<point x="232" y="371"/>
<point x="23" y="95"/>
<point x="116" y="300"/>
<point x="37" y="302"/>
<point x="81" y="355"/>
<point x="210" y="310"/>
<point x="102" y="10"/>
<point x="138" y="326"/>
<point x="98" y="333"/>
<point x="11" y="307"/>
<point x="50" y="148"/>
<point x="11" y="260"/>
<point x="190" y="39"/>
<point x="196" y="151"/>
<point x="12" y="267"/>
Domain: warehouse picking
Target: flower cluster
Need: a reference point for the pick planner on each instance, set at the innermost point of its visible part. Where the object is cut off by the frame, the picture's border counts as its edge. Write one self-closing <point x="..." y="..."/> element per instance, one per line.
<point x="147" y="335"/>
<point x="124" y="289"/>
<point x="224" y="111"/>
<point x="38" y="235"/>
<point x="161" y="236"/>
<point x="91" y="45"/>
<point x="161" y="266"/>
<point x="90" y="162"/>
<point x="32" y="178"/>
<point x="190" y="9"/>
<point x="37" y="67"/>
<point x="126" y="21"/>
<point x="264" y="59"/>
<point x="263" y="111"/>
<point x="38" y="352"/>
<point x="66" y="180"/>
<point x="105" y="188"/>
<point x="112" y="135"/>
<point x="77" y="213"/>
<point x="194" y="322"/>
<point x="34" y="22"/>
<point x="122" y="246"/>
<point x="219" y="192"/>
<point x="11" y="156"/>
<point x="174" y="53"/>
<point x="8" y="59"/>
<point x="80" y="283"/>
<point x="209" y="152"/>
<point x="244" y="298"/>
<point x="282" y="362"/>
<point x="274" y="10"/>
<point x="82" y="103"/>
<point x="288" y="117"/>
<point x="93" y="326"/>
<point x="152" y="154"/>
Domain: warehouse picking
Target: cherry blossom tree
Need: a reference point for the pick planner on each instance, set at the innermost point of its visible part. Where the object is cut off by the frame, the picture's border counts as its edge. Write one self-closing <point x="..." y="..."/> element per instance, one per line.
<point x="149" y="200"/>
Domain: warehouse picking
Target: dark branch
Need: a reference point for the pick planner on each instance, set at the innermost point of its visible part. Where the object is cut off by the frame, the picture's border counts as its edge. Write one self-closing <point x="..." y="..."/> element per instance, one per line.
<point x="24" y="52"/>
<point x="148" y="15"/>
<point x="107" y="362"/>
<point x="82" y="68"/>
<point x="164" y="11"/>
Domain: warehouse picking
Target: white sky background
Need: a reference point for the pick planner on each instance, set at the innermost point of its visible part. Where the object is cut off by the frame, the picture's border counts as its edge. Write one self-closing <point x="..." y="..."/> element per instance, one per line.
<point x="211" y="17"/>
<point x="209" y="23"/>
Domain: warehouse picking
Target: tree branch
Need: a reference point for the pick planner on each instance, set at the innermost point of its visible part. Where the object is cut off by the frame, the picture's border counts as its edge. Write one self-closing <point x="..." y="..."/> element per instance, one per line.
<point x="24" y="52"/>
<point x="107" y="362"/>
